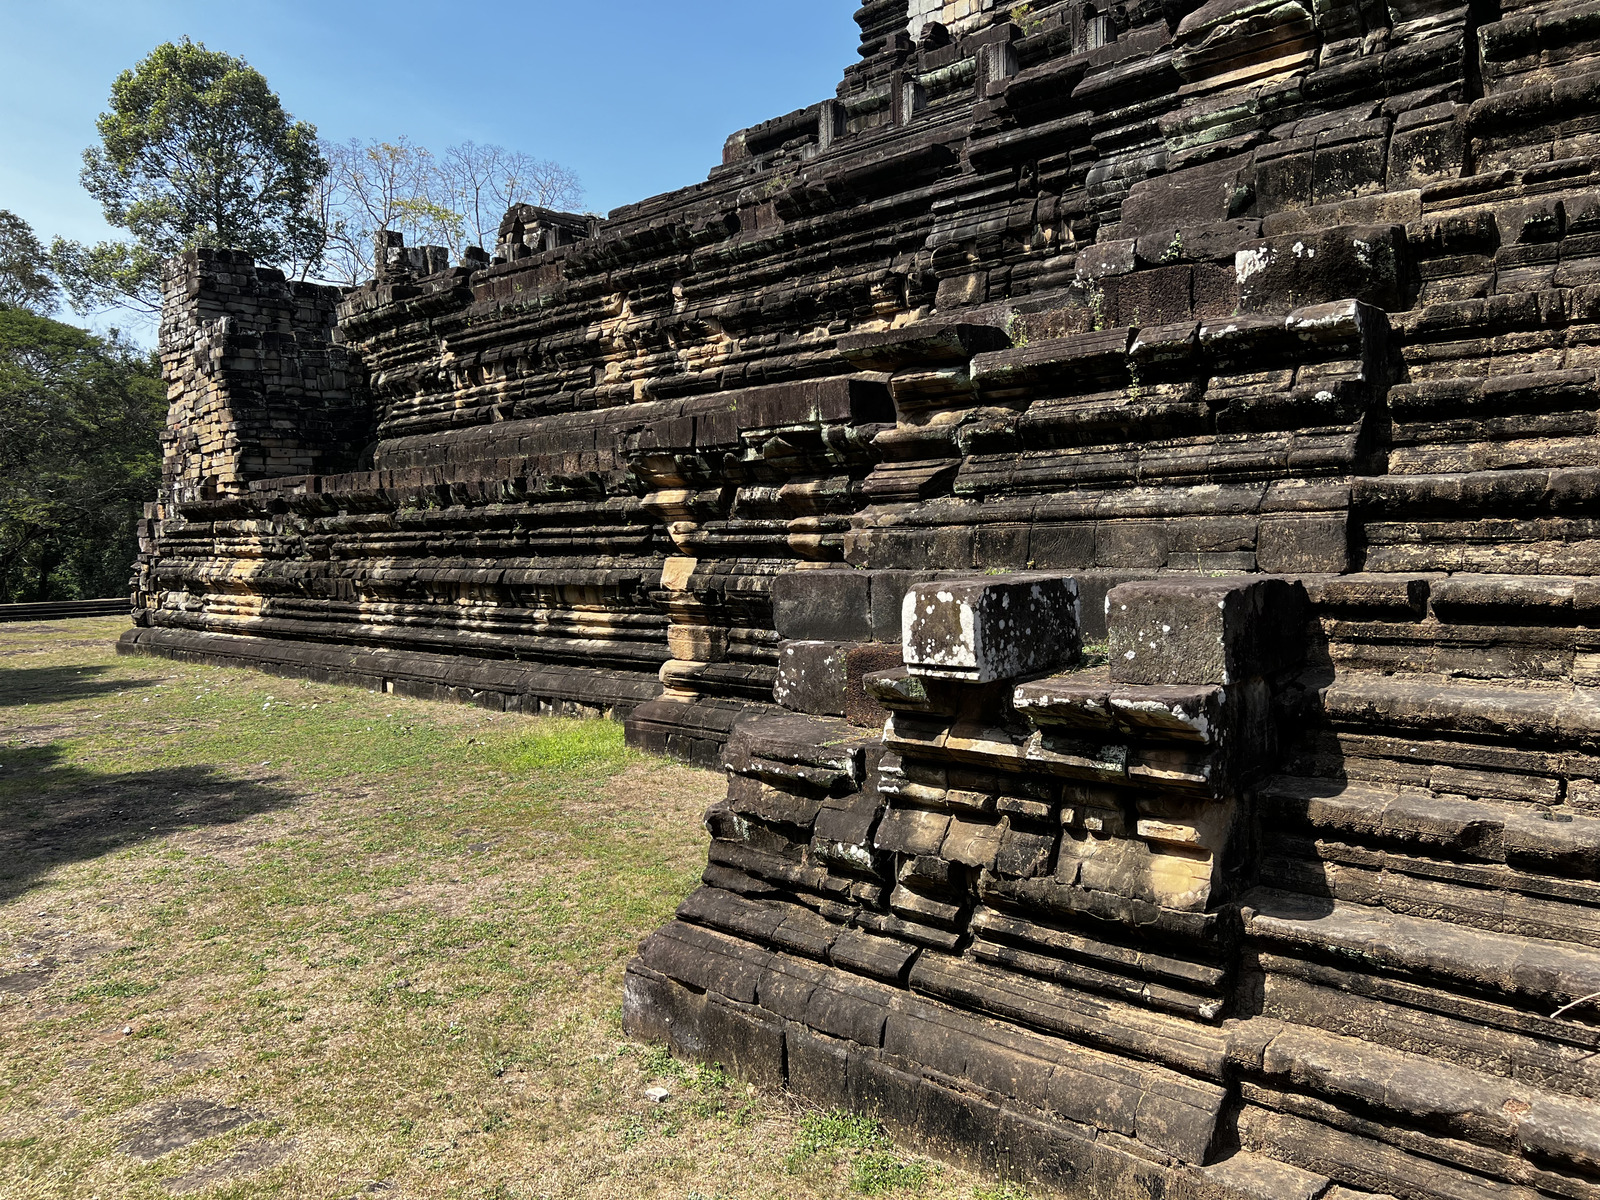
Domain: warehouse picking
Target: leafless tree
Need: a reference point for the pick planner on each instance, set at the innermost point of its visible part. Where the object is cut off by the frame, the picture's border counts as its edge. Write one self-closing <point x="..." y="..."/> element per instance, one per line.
<point x="482" y="182"/>
<point x="455" y="199"/>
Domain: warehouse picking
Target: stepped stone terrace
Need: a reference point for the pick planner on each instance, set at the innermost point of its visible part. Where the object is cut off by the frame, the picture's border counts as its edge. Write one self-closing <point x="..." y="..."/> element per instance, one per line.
<point x="1116" y="488"/>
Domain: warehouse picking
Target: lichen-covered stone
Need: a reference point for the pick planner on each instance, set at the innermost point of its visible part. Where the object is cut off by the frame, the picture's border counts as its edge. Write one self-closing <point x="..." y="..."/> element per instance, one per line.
<point x="983" y="631"/>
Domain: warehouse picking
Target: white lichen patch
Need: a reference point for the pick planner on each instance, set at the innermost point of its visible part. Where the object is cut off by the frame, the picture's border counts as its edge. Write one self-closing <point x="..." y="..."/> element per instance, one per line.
<point x="1251" y="262"/>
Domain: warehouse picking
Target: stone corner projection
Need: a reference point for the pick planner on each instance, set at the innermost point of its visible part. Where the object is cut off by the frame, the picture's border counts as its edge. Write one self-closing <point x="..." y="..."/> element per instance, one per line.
<point x="1118" y="490"/>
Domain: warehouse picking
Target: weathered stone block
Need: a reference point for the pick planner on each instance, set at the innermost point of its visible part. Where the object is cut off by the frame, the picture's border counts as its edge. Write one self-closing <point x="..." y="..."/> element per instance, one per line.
<point x="1429" y="144"/>
<point x="861" y="707"/>
<point x="921" y="344"/>
<point x="1204" y="631"/>
<point x="745" y="1040"/>
<point x="1308" y="542"/>
<point x="833" y="606"/>
<point x="987" y="630"/>
<point x="817" y="1067"/>
<point x="1364" y="262"/>
<point x="811" y="678"/>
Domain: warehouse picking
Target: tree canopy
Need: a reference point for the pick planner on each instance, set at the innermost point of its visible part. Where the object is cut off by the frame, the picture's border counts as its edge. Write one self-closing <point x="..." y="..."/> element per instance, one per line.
<point x="196" y="150"/>
<point x="80" y="424"/>
<point x="25" y="280"/>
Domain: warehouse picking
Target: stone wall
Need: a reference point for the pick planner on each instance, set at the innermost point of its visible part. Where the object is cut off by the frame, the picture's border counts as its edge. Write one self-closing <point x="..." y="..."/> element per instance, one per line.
<point x="259" y="383"/>
<point x="1115" y="487"/>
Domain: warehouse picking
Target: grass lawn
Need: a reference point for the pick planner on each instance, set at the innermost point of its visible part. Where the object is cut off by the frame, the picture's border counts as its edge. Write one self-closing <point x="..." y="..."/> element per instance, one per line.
<point x="260" y="937"/>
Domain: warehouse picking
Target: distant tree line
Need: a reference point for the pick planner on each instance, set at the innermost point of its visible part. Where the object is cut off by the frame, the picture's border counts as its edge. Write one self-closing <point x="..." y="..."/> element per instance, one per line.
<point x="80" y="425"/>
<point x="454" y="199"/>
<point x="195" y="150"/>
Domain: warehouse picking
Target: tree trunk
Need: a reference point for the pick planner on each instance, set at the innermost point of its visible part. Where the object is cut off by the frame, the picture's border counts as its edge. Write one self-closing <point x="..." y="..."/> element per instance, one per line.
<point x="49" y="559"/>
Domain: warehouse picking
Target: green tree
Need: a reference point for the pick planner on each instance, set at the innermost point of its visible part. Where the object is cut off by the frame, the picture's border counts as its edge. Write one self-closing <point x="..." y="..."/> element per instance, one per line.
<point x="24" y="267"/>
<point x="196" y="150"/>
<point x="80" y="424"/>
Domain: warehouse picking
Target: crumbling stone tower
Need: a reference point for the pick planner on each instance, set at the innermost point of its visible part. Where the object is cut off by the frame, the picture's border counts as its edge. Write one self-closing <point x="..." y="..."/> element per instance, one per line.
<point x="260" y="383"/>
<point x="1115" y="489"/>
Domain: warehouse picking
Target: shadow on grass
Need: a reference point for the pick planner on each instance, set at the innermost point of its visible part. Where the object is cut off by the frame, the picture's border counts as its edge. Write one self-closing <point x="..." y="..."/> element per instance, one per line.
<point x="52" y="814"/>
<point x="52" y="685"/>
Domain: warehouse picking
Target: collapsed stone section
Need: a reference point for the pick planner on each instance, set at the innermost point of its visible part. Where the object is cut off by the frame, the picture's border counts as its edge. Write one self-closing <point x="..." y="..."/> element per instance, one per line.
<point x="1272" y="323"/>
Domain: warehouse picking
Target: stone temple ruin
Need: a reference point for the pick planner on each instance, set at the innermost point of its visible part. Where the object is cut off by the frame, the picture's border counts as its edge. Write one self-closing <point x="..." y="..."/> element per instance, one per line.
<point x="1118" y="487"/>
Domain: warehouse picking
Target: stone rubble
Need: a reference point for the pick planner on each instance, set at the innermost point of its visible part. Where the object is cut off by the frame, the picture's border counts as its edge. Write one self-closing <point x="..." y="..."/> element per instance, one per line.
<point x="1115" y="487"/>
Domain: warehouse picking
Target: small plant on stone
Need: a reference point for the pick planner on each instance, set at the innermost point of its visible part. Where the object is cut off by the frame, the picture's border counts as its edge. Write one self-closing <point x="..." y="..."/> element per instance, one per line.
<point x="1024" y="15"/>
<point x="1135" y="376"/>
<point x="777" y="185"/>
<point x="1174" y="250"/>
<point x="1097" y="306"/>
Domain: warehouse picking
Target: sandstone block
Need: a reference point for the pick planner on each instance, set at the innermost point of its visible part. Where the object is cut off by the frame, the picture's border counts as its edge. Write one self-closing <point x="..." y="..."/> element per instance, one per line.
<point x="1204" y="631"/>
<point x="811" y="678"/>
<point x="988" y="630"/>
<point x="1291" y="270"/>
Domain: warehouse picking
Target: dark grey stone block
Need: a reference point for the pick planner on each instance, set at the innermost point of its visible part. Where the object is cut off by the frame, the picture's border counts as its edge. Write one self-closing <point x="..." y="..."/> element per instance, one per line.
<point x="831" y="605"/>
<point x="1223" y="631"/>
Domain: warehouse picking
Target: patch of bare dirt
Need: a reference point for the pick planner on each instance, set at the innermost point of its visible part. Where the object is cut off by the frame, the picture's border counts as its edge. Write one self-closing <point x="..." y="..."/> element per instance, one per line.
<point x="31" y="977"/>
<point x="171" y="1125"/>
<point x="253" y="1156"/>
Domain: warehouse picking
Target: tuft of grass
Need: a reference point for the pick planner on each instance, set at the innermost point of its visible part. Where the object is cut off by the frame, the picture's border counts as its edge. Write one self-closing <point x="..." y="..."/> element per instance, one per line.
<point x="578" y="746"/>
<point x="115" y="989"/>
<point x="833" y="1132"/>
<point x="658" y="1063"/>
<point x="1000" y="1191"/>
<point x="874" y="1169"/>
<point x="711" y="1080"/>
<point x="879" y="1172"/>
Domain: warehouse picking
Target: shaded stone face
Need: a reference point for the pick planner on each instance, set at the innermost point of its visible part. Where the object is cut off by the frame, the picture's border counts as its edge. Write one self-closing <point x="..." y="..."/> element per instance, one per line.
<point x="1251" y="344"/>
<point x="1222" y="631"/>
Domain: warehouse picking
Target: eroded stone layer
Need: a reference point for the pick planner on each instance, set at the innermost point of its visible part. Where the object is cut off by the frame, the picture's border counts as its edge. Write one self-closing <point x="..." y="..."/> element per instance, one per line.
<point x="1115" y="486"/>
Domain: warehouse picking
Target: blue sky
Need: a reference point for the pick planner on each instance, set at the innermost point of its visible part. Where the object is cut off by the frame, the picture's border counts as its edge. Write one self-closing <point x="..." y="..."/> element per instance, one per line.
<point x="635" y="96"/>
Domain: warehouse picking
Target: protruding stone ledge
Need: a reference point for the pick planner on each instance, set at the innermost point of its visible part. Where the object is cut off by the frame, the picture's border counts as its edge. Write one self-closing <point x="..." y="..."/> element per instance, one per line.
<point x="984" y="631"/>
<point x="1225" y="631"/>
<point x="919" y="345"/>
<point x="1183" y="712"/>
